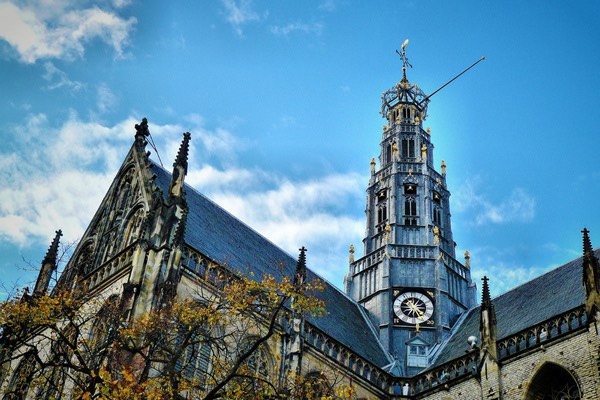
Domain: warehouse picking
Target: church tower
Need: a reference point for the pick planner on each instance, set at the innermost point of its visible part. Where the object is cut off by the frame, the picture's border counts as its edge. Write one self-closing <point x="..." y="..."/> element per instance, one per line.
<point x="409" y="280"/>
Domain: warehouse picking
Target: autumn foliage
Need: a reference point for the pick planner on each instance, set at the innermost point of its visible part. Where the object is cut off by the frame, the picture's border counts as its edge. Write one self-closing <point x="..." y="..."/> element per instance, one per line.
<point x="211" y="344"/>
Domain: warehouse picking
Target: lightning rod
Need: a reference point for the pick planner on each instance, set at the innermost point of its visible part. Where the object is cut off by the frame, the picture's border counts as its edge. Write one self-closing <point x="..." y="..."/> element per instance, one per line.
<point x="453" y="79"/>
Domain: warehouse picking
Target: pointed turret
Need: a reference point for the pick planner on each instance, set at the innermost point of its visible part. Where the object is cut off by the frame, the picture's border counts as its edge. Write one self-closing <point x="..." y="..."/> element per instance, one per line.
<point x="591" y="277"/>
<point x="300" y="277"/>
<point x="487" y="322"/>
<point x="48" y="266"/>
<point x="296" y="344"/>
<point x="180" y="167"/>
<point x="490" y="369"/>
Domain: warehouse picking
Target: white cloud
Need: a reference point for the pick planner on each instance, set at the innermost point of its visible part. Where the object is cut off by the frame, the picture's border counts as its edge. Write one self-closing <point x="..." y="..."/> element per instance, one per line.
<point x="518" y="206"/>
<point x="298" y="27"/>
<point x="239" y="13"/>
<point x="327" y="5"/>
<point x="309" y="213"/>
<point x="34" y="32"/>
<point x="503" y="269"/>
<point x="106" y="99"/>
<point x="59" y="79"/>
<point x="57" y="176"/>
<point x="47" y="181"/>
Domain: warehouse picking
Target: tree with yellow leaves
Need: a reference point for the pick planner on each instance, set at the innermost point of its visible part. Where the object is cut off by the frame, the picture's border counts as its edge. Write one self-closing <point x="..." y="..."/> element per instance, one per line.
<point x="212" y="344"/>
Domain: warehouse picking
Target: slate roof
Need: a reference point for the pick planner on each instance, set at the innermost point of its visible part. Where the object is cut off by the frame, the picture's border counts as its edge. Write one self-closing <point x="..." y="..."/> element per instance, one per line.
<point x="553" y="293"/>
<point x="227" y="240"/>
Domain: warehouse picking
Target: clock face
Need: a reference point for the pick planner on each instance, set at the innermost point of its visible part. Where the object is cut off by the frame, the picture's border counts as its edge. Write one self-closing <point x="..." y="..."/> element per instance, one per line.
<point x="414" y="308"/>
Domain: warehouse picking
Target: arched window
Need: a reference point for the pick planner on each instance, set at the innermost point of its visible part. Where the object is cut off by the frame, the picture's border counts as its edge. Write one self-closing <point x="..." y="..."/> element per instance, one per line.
<point x="410" y="210"/>
<point x="408" y="148"/>
<point x="104" y="328"/>
<point x="195" y="359"/>
<point x="553" y="382"/>
<point x="21" y="379"/>
<point x="437" y="216"/>
<point x="201" y="267"/>
<point x="381" y="213"/>
<point x="85" y="260"/>
<point x="259" y="363"/>
<point x="132" y="231"/>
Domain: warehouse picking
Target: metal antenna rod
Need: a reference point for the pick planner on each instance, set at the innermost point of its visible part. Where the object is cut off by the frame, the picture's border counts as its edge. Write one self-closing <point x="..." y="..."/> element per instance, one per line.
<point x="453" y="79"/>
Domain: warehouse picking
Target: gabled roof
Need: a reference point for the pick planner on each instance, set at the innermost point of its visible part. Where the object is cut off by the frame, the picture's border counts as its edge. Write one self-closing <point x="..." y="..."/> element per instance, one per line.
<point x="223" y="238"/>
<point x="533" y="302"/>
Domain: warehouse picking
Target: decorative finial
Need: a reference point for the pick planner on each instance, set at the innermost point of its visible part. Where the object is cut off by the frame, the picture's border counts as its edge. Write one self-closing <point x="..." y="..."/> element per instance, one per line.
<point x="373" y="166"/>
<point x="404" y="59"/>
<point x="141" y="130"/>
<point x="52" y="253"/>
<point x="300" y="277"/>
<point x="587" y="243"/>
<point x="591" y="278"/>
<point x="395" y="155"/>
<point x="467" y="259"/>
<point x="182" y="154"/>
<point x="48" y="267"/>
<point x="443" y="167"/>
<point x="180" y="168"/>
<point x="351" y="254"/>
<point x="436" y="234"/>
<point x="486" y="299"/>
<point x="428" y="130"/>
<point x="423" y="152"/>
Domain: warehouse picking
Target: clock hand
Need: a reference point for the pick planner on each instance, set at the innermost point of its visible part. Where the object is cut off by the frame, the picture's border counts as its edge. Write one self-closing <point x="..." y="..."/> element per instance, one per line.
<point x="414" y="308"/>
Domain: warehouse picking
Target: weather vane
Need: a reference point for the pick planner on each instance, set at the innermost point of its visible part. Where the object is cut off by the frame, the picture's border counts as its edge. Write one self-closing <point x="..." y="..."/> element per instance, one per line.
<point x="404" y="59"/>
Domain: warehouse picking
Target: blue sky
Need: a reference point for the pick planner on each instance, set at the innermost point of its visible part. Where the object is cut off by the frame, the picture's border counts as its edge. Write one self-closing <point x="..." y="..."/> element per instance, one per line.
<point x="283" y="98"/>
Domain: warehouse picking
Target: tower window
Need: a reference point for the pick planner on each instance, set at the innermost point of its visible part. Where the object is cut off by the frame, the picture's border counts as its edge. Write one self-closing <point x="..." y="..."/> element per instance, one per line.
<point x="437" y="216"/>
<point x="408" y="148"/>
<point x="417" y="353"/>
<point x="381" y="213"/>
<point x="405" y="112"/>
<point x="410" y="211"/>
<point x="388" y="153"/>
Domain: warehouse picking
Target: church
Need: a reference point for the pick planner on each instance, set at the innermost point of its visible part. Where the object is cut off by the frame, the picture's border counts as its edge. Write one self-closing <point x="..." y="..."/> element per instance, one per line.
<point x="407" y="324"/>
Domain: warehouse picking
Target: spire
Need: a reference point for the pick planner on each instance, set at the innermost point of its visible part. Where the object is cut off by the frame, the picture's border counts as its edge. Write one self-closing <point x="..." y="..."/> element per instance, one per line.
<point x="486" y="299"/>
<point x="300" y="276"/>
<point x="52" y="253"/>
<point x="180" y="166"/>
<point x="587" y="243"/>
<point x="591" y="277"/>
<point x="182" y="154"/>
<point x="487" y="321"/>
<point x="48" y="266"/>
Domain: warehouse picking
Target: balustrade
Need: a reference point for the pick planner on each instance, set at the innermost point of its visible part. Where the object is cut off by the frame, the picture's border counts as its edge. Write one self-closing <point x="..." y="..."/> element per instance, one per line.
<point x="546" y="331"/>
